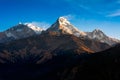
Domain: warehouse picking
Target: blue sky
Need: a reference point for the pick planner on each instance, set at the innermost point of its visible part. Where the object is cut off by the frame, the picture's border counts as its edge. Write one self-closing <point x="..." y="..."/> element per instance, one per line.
<point x="86" y="15"/>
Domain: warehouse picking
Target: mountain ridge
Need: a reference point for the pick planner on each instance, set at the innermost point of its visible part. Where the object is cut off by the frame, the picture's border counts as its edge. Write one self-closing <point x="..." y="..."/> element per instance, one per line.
<point x="19" y="31"/>
<point x="61" y="26"/>
<point x="58" y="55"/>
<point x="64" y="26"/>
<point x="98" y="34"/>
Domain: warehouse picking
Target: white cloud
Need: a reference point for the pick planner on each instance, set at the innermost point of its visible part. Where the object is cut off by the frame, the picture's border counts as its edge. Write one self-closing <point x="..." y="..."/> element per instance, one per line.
<point x="43" y="25"/>
<point x="69" y="16"/>
<point x="114" y="14"/>
<point x="84" y="7"/>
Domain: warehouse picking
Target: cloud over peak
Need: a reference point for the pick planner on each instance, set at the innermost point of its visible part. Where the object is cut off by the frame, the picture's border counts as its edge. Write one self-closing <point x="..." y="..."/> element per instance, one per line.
<point x="69" y="16"/>
<point x="114" y="14"/>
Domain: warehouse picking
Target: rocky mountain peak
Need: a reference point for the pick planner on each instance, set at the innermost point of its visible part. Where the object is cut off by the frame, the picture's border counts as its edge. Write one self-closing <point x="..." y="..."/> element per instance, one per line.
<point x="97" y="30"/>
<point x="63" y="21"/>
<point x="62" y="25"/>
<point x="99" y="35"/>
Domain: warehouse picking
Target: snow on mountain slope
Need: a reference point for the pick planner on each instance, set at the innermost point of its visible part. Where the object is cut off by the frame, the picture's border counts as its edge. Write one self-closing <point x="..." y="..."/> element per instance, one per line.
<point x="23" y="30"/>
<point x="20" y="31"/>
<point x="64" y="26"/>
<point x="100" y="36"/>
<point x="36" y="29"/>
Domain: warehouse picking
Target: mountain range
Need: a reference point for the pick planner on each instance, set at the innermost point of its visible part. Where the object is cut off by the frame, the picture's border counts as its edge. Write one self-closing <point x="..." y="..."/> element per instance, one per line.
<point x="62" y="25"/>
<point x="58" y="39"/>
<point x="61" y="52"/>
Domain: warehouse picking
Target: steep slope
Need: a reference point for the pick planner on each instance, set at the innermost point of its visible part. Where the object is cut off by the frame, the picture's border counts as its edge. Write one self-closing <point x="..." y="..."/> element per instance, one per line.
<point x="19" y="31"/>
<point x="100" y="36"/>
<point x="99" y="66"/>
<point x="38" y="49"/>
<point x="62" y="25"/>
<point x="4" y="38"/>
<point x="95" y="45"/>
<point x="41" y="48"/>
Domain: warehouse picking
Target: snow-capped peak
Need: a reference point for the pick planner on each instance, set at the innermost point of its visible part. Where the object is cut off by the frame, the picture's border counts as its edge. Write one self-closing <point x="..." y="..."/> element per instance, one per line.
<point x="63" y="21"/>
<point x="23" y="30"/>
<point x="64" y="26"/>
<point x="97" y="31"/>
<point x="97" y="34"/>
<point x="35" y="28"/>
